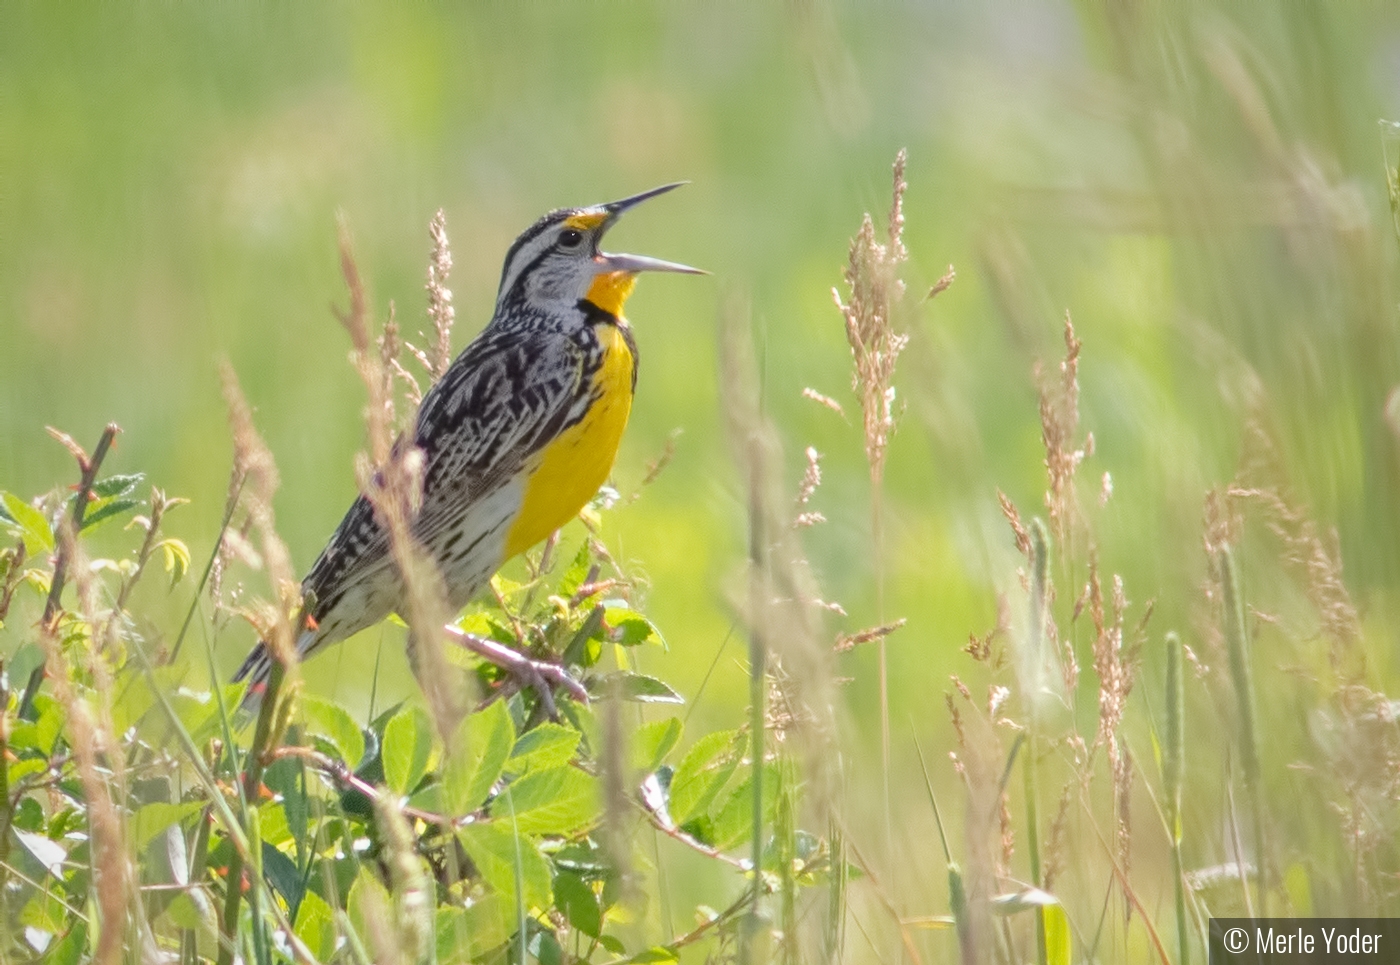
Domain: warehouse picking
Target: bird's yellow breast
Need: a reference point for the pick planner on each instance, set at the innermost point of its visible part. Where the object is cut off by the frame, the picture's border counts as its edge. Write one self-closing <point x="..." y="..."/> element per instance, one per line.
<point x="572" y="467"/>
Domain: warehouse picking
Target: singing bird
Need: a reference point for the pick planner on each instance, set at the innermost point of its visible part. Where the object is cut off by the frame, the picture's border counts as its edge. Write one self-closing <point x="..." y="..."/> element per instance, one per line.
<point x="517" y="436"/>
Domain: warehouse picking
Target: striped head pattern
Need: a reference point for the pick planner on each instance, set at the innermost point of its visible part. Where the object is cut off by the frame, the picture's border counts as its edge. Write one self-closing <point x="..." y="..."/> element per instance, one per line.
<point x="557" y="262"/>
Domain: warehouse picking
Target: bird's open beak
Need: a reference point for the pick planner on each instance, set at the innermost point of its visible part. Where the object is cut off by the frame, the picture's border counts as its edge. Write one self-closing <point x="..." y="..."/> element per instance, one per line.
<point x="615" y="208"/>
<point x="633" y="264"/>
<point x="636" y="263"/>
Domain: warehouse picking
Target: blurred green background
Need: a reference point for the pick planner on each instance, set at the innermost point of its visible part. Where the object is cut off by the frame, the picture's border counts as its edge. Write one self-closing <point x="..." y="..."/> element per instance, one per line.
<point x="1203" y="190"/>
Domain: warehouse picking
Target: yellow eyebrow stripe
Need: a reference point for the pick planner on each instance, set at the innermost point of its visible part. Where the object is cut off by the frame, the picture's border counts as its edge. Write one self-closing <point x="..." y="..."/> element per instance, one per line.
<point x="586" y="221"/>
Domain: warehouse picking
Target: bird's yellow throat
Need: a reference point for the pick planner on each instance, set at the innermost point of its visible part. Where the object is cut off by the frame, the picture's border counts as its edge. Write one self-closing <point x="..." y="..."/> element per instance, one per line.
<point x="610" y="290"/>
<point x="574" y="465"/>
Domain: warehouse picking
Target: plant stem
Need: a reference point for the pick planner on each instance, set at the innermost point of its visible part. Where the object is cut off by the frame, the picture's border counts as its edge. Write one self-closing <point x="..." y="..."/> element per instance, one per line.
<point x="957" y="894"/>
<point x="89" y="466"/>
<point x="1173" y="768"/>
<point x="1237" y="647"/>
<point x="229" y="509"/>
<point x="7" y="813"/>
<point x="835" y="935"/>
<point x="784" y="834"/>
<point x="1034" y="662"/>
<point x="252" y="780"/>
<point x="877" y="539"/>
<point x="758" y="667"/>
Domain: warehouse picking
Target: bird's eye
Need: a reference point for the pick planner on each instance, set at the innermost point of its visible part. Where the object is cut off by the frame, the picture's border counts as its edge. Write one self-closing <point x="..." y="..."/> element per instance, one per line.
<point x="570" y="238"/>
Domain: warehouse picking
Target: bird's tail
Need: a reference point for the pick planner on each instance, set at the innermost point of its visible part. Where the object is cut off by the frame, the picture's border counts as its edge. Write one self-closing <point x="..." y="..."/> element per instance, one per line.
<point x="257" y="669"/>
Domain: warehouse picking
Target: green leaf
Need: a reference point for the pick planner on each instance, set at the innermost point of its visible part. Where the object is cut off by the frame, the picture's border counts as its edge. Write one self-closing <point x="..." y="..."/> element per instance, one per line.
<point x="41" y="734"/>
<point x="105" y="509"/>
<point x="493" y="848"/>
<point x="480" y="749"/>
<point x="177" y="559"/>
<point x="466" y="935"/>
<point x="19" y="769"/>
<point x="548" y="745"/>
<point x="286" y="778"/>
<point x="652" y="742"/>
<point x="408" y="744"/>
<point x="199" y="712"/>
<point x="576" y="573"/>
<point x="546" y="950"/>
<point x="368" y="900"/>
<point x="282" y="873"/>
<point x="45" y="912"/>
<point x="583" y="857"/>
<point x="552" y="801"/>
<point x="578" y="903"/>
<point x="639" y="688"/>
<point x="452" y="935"/>
<point x="70" y="950"/>
<point x="114" y="486"/>
<point x="152" y="819"/>
<point x="315" y="926"/>
<point x="334" y="723"/>
<point x="134" y="700"/>
<point x="274" y="825"/>
<point x="586" y="646"/>
<point x="1059" y="950"/>
<point x="48" y="853"/>
<point x="653" y="956"/>
<point x="583" y="719"/>
<point x="504" y="588"/>
<point x="703" y="773"/>
<point x="734" y="823"/>
<point x="483" y="624"/>
<point x="29" y="524"/>
<point x="489" y="924"/>
<point x="188" y="911"/>
<point x="630" y="628"/>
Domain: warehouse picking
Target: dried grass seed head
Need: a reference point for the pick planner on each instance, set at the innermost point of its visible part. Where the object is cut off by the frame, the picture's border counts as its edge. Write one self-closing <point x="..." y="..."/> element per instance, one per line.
<point x="1059" y="429"/>
<point x="440" y="309"/>
<point x="874" y="288"/>
<point x="253" y="462"/>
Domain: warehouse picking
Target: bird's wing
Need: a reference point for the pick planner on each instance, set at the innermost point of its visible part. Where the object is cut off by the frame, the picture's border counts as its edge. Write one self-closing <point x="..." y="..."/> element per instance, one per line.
<point x="504" y="399"/>
<point x="499" y="403"/>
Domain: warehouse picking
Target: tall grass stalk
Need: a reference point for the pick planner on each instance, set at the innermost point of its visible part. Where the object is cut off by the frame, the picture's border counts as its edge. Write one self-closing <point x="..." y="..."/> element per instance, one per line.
<point x="791" y="702"/>
<point x="251" y="782"/>
<point x="253" y="462"/>
<point x="1033" y="687"/>
<point x="957" y="893"/>
<point x="1241" y="673"/>
<point x="784" y="851"/>
<point x="834" y="935"/>
<point x="872" y="277"/>
<point x="391" y="478"/>
<point x="230" y="505"/>
<point x="1173" y="770"/>
<point x="759" y="594"/>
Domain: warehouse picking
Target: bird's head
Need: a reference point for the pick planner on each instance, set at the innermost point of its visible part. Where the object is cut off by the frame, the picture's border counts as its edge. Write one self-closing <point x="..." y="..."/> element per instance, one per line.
<point x="557" y="261"/>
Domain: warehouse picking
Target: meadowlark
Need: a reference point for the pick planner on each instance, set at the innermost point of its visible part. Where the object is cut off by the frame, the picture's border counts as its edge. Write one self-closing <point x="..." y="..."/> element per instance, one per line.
<point x="517" y="436"/>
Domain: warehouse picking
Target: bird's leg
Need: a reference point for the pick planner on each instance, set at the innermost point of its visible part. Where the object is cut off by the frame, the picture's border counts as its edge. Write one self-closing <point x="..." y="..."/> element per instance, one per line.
<point x="544" y="677"/>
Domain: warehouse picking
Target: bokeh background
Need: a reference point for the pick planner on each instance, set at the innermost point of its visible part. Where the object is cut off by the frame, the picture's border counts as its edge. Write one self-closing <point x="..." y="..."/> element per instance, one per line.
<point x="1204" y="190"/>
